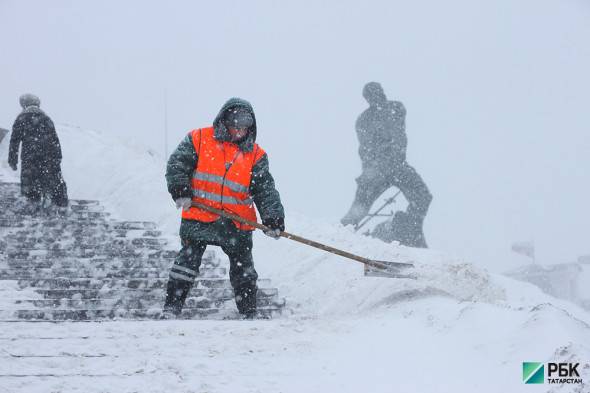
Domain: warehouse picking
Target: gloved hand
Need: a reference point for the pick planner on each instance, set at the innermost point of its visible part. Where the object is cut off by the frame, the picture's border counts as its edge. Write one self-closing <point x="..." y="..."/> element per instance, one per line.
<point x="185" y="203"/>
<point x="13" y="166"/>
<point x="276" y="225"/>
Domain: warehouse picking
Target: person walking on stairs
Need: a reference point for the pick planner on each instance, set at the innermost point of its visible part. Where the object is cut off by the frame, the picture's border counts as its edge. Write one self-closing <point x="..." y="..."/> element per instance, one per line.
<point x="34" y="133"/>
<point x="221" y="166"/>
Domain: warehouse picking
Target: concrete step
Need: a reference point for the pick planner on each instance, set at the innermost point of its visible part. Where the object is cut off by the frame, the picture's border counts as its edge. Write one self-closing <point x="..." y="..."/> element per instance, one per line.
<point x="37" y="255"/>
<point x="122" y="314"/>
<point x="96" y="242"/>
<point x="68" y="214"/>
<point x="52" y="222"/>
<point x="92" y="263"/>
<point x="162" y="260"/>
<point x="76" y="252"/>
<point x="90" y="272"/>
<point x="124" y="303"/>
<point x="21" y="207"/>
<point x="158" y="294"/>
<point x="134" y="225"/>
<point x="112" y="283"/>
<point x="13" y="204"/>
<point x="83" y="232"/>
<point x="9" y="200"/>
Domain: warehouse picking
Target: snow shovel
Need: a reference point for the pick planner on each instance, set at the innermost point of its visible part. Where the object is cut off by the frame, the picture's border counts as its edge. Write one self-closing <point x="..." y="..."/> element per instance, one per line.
<point x="372" y="268"/>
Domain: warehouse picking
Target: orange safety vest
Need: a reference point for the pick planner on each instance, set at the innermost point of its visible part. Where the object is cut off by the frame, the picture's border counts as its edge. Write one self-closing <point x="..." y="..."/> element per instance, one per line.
<point x="222" y="178"/>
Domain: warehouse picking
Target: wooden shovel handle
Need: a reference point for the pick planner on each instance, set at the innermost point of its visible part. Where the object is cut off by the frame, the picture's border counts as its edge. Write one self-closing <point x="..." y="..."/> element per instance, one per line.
<point x="289" y="235"/>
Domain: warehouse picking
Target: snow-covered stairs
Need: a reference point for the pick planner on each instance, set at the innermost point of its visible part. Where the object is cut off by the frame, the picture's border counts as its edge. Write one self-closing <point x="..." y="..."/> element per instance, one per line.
<point x="81" y="265"/>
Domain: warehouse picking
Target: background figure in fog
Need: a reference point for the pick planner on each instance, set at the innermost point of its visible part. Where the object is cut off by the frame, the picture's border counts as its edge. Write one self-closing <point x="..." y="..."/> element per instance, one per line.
<point x="41" y="179"/>
<point x="381" y="130"/>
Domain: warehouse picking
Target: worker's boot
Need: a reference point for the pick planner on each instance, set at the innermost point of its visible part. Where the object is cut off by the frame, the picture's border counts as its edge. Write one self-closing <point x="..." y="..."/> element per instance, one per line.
<point x="246" y="302"/>
<point x="176" y="294"/>
<point x="246" y="298"/>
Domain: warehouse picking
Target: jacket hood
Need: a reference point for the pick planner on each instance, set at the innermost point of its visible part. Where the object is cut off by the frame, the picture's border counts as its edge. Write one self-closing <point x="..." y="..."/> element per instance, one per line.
<point x="220" y="130"/>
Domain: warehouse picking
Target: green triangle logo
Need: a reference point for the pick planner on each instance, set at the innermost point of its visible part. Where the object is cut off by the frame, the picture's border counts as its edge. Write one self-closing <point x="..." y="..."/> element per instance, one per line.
<point x="533" y="372"/>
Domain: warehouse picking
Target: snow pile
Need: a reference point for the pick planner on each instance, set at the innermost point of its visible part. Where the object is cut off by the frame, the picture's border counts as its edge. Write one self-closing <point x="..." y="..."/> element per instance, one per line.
<point x="123" y="174"/>
<point x="318" y="282"/>
<point x="455" y="328"/>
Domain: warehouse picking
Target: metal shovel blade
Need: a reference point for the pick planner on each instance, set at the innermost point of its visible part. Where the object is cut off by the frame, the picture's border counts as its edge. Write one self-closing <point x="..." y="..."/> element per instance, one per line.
<point x="394" y="270"/>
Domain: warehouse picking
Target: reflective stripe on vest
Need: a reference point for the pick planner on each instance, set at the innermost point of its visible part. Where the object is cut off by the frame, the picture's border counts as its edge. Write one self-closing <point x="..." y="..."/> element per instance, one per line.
<point x="220" y="198"/>
<point x="235" y="187"/>
<point x="222" y="178"/>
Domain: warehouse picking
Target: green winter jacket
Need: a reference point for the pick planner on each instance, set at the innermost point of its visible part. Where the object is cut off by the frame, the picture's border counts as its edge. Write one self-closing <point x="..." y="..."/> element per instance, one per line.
<point x="184" y="159"/>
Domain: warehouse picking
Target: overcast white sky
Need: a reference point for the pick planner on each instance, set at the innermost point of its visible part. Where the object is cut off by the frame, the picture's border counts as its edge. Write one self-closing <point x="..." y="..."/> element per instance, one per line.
<point x="497" y="94"/>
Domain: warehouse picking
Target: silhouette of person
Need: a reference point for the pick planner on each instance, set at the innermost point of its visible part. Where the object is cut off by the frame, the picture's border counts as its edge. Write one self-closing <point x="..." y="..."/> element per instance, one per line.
<point x="381" y="132"/>
<point x="41" y="179"/>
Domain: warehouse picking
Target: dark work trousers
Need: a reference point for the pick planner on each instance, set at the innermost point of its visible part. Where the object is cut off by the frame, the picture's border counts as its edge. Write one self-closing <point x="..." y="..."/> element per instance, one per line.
<point x="237" y="244"/>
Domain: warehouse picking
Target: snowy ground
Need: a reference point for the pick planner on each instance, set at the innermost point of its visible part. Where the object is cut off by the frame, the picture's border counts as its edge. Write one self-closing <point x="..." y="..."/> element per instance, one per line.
<point x="456" y="328"/>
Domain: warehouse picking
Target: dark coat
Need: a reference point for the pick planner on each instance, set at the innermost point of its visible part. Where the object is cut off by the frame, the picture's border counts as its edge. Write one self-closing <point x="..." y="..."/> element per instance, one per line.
<point x="41" y="155"/>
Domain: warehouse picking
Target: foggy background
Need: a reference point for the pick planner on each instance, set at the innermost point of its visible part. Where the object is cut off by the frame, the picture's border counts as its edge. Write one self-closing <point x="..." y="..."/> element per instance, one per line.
<point x="497" y="96"/>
